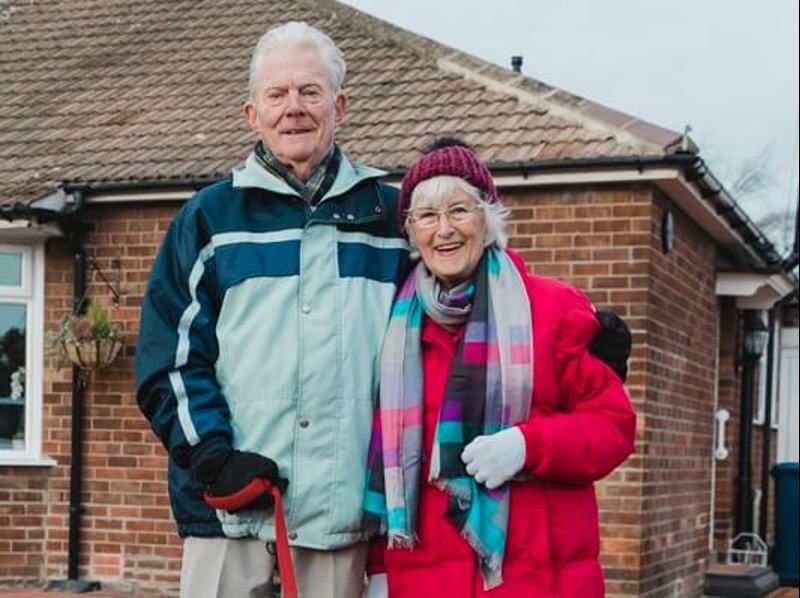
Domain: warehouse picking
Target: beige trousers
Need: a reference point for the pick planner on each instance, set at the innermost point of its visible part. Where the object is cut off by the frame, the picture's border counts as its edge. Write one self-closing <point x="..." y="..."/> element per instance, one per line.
<point x="242" y="568"/>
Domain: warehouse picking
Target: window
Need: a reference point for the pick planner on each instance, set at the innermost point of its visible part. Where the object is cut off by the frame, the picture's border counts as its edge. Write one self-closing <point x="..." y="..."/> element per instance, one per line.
<point x="21" y="354"/>
<point x="761" y="372"/>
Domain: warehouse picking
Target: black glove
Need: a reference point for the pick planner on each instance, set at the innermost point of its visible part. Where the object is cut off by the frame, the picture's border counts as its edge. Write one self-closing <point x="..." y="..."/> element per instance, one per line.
<point x="232" y="480"/>
<point x="612" y="343"/>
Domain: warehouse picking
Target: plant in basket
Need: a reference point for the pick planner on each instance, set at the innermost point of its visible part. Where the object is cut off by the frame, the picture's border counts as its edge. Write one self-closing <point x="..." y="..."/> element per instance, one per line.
<point x="88" y="341"/>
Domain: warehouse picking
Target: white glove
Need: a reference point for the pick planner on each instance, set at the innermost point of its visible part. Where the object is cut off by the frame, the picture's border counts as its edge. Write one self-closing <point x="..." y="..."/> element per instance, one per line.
<point x="496" y="458"/>
<point x="377" y="587"/>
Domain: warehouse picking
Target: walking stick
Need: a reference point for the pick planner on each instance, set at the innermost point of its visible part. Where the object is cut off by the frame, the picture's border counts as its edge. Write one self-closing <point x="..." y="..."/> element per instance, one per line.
<point x="250" y="492"/>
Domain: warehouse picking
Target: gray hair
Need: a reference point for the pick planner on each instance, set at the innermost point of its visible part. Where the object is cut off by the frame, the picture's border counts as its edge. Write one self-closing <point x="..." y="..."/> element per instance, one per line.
<point x="297" y="33"/>
<point x="431" y="192"/>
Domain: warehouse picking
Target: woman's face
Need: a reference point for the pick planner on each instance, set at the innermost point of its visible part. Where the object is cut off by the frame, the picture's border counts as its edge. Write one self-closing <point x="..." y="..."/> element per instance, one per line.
<point x="450" y="238"/>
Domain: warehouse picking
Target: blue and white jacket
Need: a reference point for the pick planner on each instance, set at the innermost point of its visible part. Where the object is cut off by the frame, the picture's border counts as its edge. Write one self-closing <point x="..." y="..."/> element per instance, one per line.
<point x="261" y="330"/>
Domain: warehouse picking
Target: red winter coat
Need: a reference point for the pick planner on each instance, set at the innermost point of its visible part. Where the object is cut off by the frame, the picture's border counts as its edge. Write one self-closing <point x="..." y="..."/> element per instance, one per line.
<point x="580" y="428"/>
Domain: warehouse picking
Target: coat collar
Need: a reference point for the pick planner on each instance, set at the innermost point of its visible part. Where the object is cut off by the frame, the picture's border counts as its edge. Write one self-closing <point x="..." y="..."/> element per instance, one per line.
<point x="252" y="174"/>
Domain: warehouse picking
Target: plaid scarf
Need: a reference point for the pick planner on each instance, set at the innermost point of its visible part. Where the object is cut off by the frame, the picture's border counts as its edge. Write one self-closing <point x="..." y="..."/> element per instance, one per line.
<point x="488" y="390"/>
<point x="317" y="185"/>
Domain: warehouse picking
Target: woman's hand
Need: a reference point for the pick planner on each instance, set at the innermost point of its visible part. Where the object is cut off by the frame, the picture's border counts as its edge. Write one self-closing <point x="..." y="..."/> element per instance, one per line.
<point x="495" y="459"/>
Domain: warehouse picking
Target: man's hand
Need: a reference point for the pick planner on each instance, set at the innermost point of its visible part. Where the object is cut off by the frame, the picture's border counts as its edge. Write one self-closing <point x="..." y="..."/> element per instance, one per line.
<point x="233" y="479"/>
<point x="612" y="343"/>
<point x="496" y="458"/>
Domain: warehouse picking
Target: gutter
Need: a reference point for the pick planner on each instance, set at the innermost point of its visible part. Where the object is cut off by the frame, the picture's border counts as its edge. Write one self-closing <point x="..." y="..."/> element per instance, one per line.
<point x="195" y="182"/>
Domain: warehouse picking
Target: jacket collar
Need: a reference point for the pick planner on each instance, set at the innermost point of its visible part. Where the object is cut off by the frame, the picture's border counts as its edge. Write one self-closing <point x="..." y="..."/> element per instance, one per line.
<point x="253" y="174"/>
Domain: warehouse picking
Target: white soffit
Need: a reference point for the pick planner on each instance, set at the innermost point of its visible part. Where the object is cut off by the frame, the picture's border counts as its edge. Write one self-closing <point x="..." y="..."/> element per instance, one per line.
<point x="752" y="290"/>
<point x="26" y="230"/>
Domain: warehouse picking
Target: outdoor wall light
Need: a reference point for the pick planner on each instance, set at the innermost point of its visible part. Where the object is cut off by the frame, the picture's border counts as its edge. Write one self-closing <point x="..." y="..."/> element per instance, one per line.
<point x="667" y="231"/>
<point x="756" y="334"/>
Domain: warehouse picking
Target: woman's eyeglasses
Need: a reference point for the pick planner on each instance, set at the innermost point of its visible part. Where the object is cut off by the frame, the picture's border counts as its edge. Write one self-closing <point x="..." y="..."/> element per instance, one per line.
<point x="455" y="214"/>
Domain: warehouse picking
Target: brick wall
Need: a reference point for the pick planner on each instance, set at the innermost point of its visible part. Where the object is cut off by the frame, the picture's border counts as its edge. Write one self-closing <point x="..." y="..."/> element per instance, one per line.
<point x="599" y="240"/>
<point x="23" y="518"/>
<point x="678" y="409"/>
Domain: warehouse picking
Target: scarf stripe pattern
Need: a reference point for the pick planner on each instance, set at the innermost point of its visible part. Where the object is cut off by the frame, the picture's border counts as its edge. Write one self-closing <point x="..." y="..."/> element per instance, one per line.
<point x="488" y="389"/>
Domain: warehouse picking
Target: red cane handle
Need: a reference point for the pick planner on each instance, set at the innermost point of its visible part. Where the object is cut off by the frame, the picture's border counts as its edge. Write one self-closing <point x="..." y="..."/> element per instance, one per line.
<point x="249" y="493"/>
<point x="237" y="500"/>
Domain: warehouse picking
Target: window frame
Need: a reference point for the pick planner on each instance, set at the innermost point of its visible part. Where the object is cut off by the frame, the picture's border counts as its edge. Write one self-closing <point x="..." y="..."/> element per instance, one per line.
<point x="761" y="393"/>
<point x="31" y="293"/>
<point x="24" y="289"/>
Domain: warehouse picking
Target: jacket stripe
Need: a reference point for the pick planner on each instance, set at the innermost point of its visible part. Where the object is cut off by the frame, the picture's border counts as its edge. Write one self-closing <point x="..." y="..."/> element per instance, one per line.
<point x="357" y="260"/>
<point x="290" y="234"/>
<point x="183" y="408"/>
<point x="182" y="350"/>
<point x="240" y="261"/>
<point x="371" y="240"/>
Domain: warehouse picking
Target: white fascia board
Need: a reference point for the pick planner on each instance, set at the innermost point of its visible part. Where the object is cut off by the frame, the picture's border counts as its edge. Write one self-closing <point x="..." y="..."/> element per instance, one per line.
<point x="753" y="290"/>
<point x="670" y="180"/>
<point x="584" y="177"/>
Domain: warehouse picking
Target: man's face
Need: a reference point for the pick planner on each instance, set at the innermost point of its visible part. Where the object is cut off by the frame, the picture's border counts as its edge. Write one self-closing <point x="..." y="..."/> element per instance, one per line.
<point x="295" y="110"/>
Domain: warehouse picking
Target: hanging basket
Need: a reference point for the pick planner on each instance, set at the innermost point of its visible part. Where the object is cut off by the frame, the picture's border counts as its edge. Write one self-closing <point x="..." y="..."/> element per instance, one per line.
<point x="91" y="354"/>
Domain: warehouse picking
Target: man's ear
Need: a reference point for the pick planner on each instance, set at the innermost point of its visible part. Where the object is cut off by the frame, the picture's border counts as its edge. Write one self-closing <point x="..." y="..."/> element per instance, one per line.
<point x="340" y="107"/>
<point x="250" y="115"/>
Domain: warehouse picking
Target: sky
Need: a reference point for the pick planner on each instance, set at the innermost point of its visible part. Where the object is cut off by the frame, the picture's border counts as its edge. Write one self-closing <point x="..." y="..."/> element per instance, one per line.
<point x="726" y="68"/>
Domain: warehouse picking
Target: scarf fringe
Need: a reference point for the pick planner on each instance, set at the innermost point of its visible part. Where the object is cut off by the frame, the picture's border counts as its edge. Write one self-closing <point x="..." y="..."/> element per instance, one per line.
<point x="491" y="564"/>
<point x="402" y="540"/>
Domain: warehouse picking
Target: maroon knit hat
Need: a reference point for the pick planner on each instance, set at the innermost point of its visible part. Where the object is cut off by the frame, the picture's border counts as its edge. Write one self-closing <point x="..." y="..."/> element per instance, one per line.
<point x="449" y="157"/>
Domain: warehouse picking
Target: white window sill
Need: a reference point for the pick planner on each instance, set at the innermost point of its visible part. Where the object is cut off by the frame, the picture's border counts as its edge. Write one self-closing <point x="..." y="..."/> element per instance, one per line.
<point x="24" y="461"/>
<point x="760" y="424"/>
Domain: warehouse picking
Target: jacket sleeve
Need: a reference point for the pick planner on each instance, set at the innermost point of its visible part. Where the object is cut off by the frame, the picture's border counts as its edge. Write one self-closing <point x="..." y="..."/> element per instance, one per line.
<point x="594" y="428"/>
<point x="177" y="347"/>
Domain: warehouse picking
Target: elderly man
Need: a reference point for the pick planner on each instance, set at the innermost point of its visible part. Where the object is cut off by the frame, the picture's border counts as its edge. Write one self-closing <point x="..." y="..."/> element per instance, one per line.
<point x="260" y="335"/>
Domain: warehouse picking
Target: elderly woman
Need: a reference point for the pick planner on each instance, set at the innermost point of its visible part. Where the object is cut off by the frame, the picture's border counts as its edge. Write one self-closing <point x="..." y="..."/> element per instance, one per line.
<point x="494" y="418"/>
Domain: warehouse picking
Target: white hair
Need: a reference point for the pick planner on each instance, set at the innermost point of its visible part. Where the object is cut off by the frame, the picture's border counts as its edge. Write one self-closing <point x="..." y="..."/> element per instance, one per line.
<point x="431" y="192"/>
<point x="294" y="34"/>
